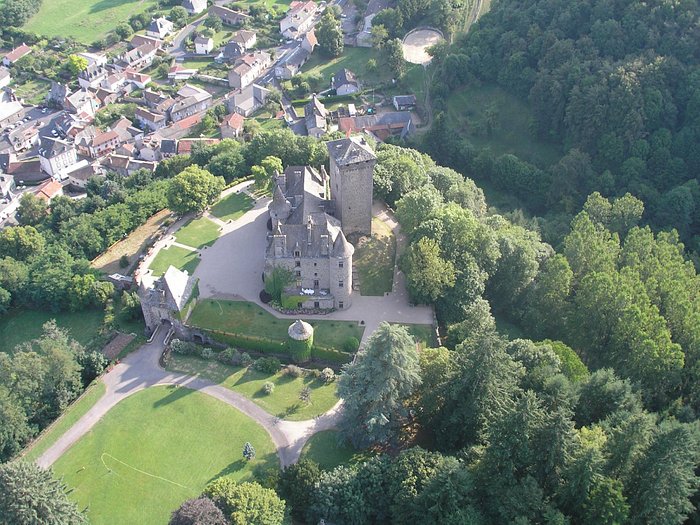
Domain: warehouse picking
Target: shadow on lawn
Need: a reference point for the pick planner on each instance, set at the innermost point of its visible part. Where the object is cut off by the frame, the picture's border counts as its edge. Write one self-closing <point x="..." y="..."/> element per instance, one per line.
<point x="176" y="393"/>
<point x="109" y="4"/>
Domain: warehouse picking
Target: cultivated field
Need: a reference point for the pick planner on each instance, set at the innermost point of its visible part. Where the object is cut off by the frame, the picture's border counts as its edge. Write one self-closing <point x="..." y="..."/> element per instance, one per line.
<point x="84" y="20"/>
<point x="156" y="449"/>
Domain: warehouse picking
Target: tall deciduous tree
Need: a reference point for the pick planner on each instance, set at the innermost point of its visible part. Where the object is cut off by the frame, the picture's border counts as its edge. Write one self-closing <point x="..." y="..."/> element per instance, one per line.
<point x="31" y="495"/>
<point x="198" y="511"/>
<point x="329" y="35"/>
<point x="193" y="189"/>
<point x="246" y="503"/>
<point x="32" y="210"/>
<point x="377" y="387"/>
<point x="427" y="273"/>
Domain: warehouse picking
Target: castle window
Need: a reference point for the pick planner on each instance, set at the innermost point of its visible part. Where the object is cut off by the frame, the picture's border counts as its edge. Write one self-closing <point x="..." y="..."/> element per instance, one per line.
<point x="315" y="283"/>
<point x="314" y="264"/>
<point x="317" y="304"/>
<point x="297" y="253"/>
<point x="340" y="284"/>
<point x="341" y="264"/>
<point x="297" y="264"/>
<point x="340" y="304"/>
<point x="298" y="273"/>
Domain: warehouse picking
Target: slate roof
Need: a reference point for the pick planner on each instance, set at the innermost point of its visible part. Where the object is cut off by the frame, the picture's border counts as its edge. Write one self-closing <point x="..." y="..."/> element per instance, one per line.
<point x="51" y="147"/>
<point x="344" y="76"/>
<point x="168" y="146"/>
<point x="350" y="150"/>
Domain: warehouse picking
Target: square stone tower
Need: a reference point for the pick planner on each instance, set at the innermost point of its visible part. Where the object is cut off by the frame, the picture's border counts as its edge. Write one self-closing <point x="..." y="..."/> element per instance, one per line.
<point x="352" y="166"/>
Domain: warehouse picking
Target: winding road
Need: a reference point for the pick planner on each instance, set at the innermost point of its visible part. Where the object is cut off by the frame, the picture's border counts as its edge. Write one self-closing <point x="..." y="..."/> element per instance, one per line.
<point x="141" y="370"/>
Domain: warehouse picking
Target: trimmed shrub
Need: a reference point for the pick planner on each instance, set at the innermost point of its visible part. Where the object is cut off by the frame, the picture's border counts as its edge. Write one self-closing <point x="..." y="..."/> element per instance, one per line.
<point x="265" y="297"/>
<point x="268" y="388"/>
<point x="295" y="371"/>
<point x="228" y="356"/>
<point x="327" y="375"/>
<point x="183" y="347"/>
<point x="123" y="261"/>
<point x="267" y="365"/>
<point x="351" y="345"/>
<point x="246" y="360"/>
<point x="206" y="353"/>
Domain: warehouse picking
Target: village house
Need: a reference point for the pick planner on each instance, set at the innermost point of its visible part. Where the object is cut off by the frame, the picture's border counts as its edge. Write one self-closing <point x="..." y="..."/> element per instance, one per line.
<point x="232" y="126"/>
<point x="194" y="7"/>
<point x="82" y="101"/>
<point x="309" y="42"/>
<point x="138" y="58"/>
<point x="248" y="68"/>
<point x="79" y="177"/>
<point x="23" y="138"/>
<point x="140" y="80"/>
<point x="93" y="58"/>
<point x="104" y="143"/>
<point x="48" y="190"/>
<point x="248" y="100"/>
<point x="228" y="16"/>
<point x="14" y="55"/>
<point x="168" y="148"/>
<point x="92" y="76"/>
<point x="114" y="82"/>
<point x="139" y="40"/>
<point x="10" y="111"/>
<point x="150" y="120"/>
<point x="382" y="125"/>
<point x="7" y="186"/>
<point x="404" y="102"/>
<point x="184" y="146"/>
<point x="299" y="19"/>
<point x="291" y="64"/>
<point x="344" y="82"/>
<point x="315" y="117"/>
<point x="192" y="100"/>
<point x="124" y="165"/>
<point x="179" y="72"/>
<point x="203" y="45"/>
<point x="159" y="28"/>
<point x="56" y="155"/>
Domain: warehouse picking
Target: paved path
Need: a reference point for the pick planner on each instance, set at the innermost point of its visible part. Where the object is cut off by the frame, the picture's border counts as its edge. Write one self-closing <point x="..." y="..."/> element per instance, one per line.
<point x="141" y="370"/>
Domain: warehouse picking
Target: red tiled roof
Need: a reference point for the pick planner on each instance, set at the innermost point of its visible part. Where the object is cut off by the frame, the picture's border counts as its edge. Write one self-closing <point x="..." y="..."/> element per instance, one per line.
<point x="18" y="53"/>
<point x="234" y="120"/>
<point x="49" y="189"/>
<point x="184" y="146"/>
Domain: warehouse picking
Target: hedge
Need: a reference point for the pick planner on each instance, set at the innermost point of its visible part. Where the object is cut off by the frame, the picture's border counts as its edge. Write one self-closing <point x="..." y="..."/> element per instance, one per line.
<point x="331" y="355"/>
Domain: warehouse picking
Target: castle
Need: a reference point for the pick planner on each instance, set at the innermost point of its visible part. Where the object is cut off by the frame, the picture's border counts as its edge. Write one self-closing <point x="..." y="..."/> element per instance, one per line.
<point x="311" y="214"/>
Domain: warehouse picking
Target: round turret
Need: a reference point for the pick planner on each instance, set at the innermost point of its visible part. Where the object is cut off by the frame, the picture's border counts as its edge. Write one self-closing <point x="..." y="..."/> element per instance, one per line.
<point x="301" y="340"/>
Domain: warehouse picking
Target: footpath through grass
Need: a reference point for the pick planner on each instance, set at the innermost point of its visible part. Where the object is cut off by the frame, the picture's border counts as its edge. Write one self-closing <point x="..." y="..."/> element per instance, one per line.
<point x="156" y="449"/>
<point x="324" y="448"/>
<point x="283" y="402"/>
<point x="84" y="20"/>
<point x="174" y="256"/>
<point x="232" y="207"/>
<point x="374" y="260"/>
<point x="72" y="414"/>
<point x="19" y="325"/>
<point x="249" y="319"/>
<point x="198" y="233"/>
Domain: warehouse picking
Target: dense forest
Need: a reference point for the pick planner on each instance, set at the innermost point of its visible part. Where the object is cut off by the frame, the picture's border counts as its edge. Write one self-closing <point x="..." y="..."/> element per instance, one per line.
<point x="616" y="83"/>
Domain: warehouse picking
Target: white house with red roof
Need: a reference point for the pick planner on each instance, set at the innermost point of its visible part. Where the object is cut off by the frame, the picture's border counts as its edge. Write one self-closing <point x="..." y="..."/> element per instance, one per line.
<point x="14" y="55"/>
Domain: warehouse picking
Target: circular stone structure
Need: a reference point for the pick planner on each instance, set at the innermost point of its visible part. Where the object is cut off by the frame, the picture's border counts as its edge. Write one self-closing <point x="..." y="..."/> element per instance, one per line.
<point x="300" y="330"/>
<point x="416" y="43"/>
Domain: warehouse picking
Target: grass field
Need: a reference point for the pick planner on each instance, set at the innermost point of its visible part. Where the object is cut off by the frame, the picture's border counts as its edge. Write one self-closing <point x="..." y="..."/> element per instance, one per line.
<point x="84" y="20"/>
<point x="353" y="58"/>
<point x="196" y="63"/>
<point x="280" y="5"/>
<point x="240" y="317"/>
<point x="283" y="402"/>
<point x="18" y="326"/>
<point x="198" y="233"/>
<point x="33" y="91"/>
<point x="108" y="262"/>
<point x="422" y="333"/>
<point x="374" y="260"/>
<point x="324" y="448"/>
<point x="474" y="108"/>
<point x="232" y="207"/>
<point x="175" y="256"/>
<point x="156" y="449"/>
<point x="72" y="414"/>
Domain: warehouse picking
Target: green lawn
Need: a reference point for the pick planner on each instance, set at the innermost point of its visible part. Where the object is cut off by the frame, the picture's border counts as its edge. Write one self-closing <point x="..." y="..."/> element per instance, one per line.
<point x="72" y="414"/>
<point x="175" y="256"/>
<point x="283" y="402"/>
<point x="198" y="233"/>
<point x="472" y="109"/>
<point x="374" y="260"/>
<point x="156" y="449"/>
<point x="422" y="333"/>
<point x="195" y="63"/>
<point x="324" y="448"/>
<point x="279" y="5"/>
<point x="232" y="207"/>
<point x="353" y="58"/>
<point x="240" y="317"/>
<point x="84" y="20"/>
<point x="33" y="91"/>
<point x="18" y="326"/>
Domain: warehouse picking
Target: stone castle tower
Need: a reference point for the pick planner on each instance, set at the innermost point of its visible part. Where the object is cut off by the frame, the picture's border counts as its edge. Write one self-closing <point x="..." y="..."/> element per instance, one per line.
<point x="352" y="164"/>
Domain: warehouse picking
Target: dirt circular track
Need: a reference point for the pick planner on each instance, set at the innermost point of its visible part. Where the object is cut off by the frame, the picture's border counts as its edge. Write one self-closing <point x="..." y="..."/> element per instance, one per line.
<point x="416" y="43"/>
